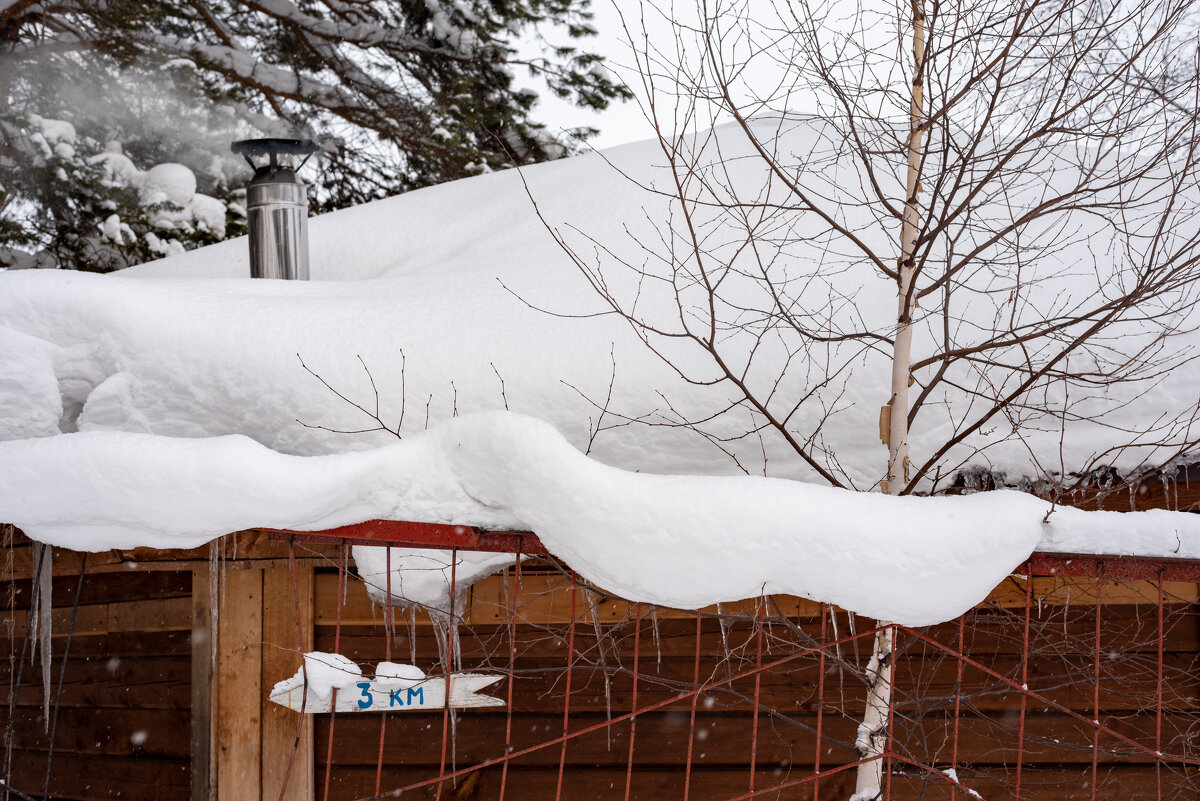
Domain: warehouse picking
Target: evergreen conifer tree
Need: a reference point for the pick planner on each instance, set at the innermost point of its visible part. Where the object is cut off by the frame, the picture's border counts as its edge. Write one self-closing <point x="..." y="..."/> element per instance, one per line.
<point x="400" y="93"/>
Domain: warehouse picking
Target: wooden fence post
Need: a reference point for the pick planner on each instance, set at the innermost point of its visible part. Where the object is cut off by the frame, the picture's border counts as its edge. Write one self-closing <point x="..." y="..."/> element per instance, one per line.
<point x="204" y="693"/>
<point x="280" y="660"/>
<point x="239" y="685"/>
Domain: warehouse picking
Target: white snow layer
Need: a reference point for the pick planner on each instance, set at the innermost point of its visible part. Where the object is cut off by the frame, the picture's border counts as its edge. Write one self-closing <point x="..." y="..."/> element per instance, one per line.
<point x="395" y="674"/>
<point x="423" y="577"/>
<point x="683" y="541"/>
<point x="453" y="297"/>
<point x="325" y="672"/>
<point x="457" y="300"/>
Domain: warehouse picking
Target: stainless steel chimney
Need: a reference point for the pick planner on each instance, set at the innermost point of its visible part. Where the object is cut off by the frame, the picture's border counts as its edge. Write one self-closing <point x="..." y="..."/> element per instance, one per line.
<point x="277" y="206"/>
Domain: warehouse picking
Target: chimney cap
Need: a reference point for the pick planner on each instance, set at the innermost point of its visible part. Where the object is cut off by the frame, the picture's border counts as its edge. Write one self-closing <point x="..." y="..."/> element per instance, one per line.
<point x="273" y="154"/>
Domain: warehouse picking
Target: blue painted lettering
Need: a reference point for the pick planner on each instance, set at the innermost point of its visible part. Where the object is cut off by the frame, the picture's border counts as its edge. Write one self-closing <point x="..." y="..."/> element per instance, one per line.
<point x="394" y="698"/>
<point x="367" y="698"/>
<point x="417" y="693"/>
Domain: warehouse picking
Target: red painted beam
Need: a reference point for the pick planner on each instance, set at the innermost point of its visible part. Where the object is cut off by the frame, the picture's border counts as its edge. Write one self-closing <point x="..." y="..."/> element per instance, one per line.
<point x="404" y="534"/>
<point x="1144" y="568"/>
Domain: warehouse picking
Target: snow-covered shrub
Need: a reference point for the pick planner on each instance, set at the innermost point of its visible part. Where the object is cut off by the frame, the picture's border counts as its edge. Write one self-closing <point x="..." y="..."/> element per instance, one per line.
<point x="72" y="201"/>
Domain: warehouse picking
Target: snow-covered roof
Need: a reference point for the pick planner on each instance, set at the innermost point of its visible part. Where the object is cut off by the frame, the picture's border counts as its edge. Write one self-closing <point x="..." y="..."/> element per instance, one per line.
<point x="454" y="301"/>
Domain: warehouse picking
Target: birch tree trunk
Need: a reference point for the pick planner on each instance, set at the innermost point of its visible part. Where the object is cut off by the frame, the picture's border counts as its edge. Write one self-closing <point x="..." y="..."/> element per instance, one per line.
<point x="897" y="478"/>
<point x="872" y="737"/>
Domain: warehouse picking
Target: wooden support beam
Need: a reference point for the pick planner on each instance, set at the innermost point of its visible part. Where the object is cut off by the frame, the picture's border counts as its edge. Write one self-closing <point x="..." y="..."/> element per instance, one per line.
<point x="153" y="614"/>
<point x="203" y="658"/>
<point x="284" y="638"/>
<point x="243" y="549"/>
<point x="239" y="683"/>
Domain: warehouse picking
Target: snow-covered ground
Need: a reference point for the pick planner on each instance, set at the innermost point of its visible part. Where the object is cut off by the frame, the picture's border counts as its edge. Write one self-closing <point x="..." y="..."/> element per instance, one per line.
<point x="118" y="393"/>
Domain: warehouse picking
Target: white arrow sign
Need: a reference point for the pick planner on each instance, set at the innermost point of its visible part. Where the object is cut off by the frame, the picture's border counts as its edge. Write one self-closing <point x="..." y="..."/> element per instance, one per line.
<point x="383" y="696"/>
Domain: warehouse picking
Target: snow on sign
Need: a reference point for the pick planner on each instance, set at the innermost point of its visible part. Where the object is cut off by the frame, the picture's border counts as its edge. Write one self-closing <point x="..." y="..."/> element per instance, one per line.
<point x="384" y="696"/>
<point x="395" y="688"/>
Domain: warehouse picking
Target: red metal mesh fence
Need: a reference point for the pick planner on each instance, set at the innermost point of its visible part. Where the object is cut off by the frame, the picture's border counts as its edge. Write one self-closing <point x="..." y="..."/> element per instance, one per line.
<point x="1063" y="685"/>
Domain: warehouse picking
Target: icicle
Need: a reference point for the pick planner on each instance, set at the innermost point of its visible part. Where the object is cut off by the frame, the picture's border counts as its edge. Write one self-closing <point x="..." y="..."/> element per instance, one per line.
<point x="456" y="658"/>
<point x="724" y="622"/>
<point x="837" y="650"/>
<point x="1171" y="499"/>
<point x="46" y="606"/>
<point x="346" y="572"/>
<point x="454" y="743"/>
<point x="35" y="599"/>
<point x="412" y="635"/>
<point x="441" y="631"/>
<point x="593" y="605"/>
<point x="506" y="602"/>
<point x="9" y="532"/>
<point x="389" y="620"/>
<point x="214" y="579"/>
<point x="445" y="630"/>
<point x="442" y="636"/>
<point x="654" y="630"/>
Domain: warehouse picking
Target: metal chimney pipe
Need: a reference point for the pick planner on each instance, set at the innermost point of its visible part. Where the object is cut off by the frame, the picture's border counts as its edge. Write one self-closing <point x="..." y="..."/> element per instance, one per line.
<point x="277" y="206"/>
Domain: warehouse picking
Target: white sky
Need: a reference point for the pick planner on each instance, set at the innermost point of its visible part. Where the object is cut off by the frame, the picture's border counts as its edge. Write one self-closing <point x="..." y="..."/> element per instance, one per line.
<point x="625" y="122"/>
<point x="620" y="122"/>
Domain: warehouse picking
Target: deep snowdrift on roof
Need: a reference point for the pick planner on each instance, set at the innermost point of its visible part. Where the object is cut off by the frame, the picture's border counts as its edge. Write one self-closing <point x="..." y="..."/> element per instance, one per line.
<point x="455" y="299"/>
<point x="684" y="541"/>
<point x="457" y="314"/>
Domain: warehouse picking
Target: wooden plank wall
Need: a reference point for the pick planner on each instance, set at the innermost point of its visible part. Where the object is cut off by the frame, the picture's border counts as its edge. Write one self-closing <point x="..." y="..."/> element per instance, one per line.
<point x="258" y="750"/>
<point x="123" y="724"/>
<point x="243" y="549"/>
<point x="150" y="709"/>
<point x="280" y="659"/>
<point x="136" y="667"/>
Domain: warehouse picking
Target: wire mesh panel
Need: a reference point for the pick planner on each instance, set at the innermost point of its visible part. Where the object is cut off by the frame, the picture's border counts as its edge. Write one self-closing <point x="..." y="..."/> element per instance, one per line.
<point x="1056" y="688"/>
<point x="1082" y="688"/>
<point x="1078" y="678"/>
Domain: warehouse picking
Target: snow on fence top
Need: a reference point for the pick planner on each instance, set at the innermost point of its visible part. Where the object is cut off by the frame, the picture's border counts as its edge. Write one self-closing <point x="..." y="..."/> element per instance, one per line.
<point x="453" y="300"/>
<point x="683" y="541"/>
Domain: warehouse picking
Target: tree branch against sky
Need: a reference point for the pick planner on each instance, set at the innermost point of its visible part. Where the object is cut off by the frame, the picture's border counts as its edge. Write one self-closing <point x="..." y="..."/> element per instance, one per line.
<point x="1024" y="176"/>
<point x="1051" y="199"/>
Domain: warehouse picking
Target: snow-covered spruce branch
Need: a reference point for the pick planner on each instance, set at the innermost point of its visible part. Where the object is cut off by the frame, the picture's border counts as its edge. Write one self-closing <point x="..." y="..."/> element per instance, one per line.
<point x="402" y="95"/>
